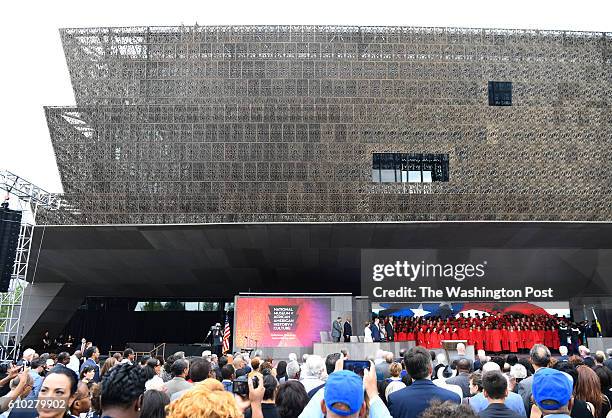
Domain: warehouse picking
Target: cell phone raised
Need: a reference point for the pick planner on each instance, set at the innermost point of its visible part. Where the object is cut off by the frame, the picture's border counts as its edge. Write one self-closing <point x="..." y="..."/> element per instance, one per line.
<point x="357" y="366"/>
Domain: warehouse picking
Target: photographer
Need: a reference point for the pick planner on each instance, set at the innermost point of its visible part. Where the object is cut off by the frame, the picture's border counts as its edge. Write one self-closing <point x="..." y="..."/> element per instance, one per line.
<point x="268" y="407"/>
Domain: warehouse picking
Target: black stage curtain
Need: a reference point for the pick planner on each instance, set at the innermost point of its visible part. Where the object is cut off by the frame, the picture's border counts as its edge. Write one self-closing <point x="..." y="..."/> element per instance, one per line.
<point x="111" y="330"/>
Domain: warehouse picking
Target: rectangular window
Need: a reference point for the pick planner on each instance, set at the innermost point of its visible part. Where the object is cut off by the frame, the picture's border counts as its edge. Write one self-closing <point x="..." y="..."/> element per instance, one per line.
<point x="500" y="93"/>
<point x="396" y="167"/>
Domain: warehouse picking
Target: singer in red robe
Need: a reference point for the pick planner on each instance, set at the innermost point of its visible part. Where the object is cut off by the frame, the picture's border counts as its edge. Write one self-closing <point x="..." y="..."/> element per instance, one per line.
<point x="495" y="340"/>
<point x="505" y="341"/>
<point x="513" y="340"/>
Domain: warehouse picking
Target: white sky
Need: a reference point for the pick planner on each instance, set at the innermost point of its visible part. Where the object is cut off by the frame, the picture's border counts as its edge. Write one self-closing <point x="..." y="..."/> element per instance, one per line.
<point x="33" y="70"/>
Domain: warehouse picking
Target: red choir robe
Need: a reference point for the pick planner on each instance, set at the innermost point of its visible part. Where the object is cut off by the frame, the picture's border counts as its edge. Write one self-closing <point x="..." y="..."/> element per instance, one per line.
<point x="446" y="335"/>
<point x="463" y="334"/>
<point x="540" y="336"/>
<point x="556" y="340"/>
<point x="495" y="340"/>
<point x="420" y="338"/>
<point x="548" y="338"/>
<point x="455" y="336"/>
<point x="505" y="342"/>
<point x="513" y="341"/>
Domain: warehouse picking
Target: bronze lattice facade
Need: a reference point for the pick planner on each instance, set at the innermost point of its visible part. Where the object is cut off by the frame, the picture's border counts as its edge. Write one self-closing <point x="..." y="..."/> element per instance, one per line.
<point x="280" y="123"/>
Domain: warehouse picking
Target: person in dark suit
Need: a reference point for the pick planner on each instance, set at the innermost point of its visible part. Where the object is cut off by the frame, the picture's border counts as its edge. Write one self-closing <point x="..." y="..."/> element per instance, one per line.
<point x="348" y="330"/>
<point x="375" y="328"/>
<point x="389" y="329"/>
<point x="495" y="390"/>
<point x="411" y="401"/>
<point x="337" y="330"/>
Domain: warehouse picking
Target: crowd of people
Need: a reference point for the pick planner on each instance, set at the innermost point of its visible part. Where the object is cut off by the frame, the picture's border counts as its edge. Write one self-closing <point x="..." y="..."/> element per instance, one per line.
<point x="496" y="333"/>
<point x="409" y="384"/>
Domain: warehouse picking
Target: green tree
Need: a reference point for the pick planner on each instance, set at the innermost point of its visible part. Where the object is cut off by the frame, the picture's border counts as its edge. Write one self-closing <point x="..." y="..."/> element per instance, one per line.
<point x="174" y="305"/>
<point x="152" y="306"/>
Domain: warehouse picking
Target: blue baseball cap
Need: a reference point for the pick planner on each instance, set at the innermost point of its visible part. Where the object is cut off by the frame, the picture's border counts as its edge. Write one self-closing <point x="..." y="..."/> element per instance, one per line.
<point x="344" y="387"/>
<point x="551" y="389"/>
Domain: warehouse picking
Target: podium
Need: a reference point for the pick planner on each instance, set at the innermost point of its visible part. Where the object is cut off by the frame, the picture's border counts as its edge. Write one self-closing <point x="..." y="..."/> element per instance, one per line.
<point x="450" y="347"/>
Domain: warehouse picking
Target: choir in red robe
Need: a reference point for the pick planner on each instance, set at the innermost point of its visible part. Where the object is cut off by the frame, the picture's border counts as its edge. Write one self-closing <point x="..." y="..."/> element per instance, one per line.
<point x="493" y="333"/>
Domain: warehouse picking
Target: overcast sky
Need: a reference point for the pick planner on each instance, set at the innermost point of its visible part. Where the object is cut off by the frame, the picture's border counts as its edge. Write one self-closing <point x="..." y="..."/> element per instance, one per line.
<point x="33" y="70"/>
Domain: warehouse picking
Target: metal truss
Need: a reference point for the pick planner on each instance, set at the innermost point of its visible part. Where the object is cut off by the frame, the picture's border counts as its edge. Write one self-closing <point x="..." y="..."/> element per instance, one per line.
<point x="279" y="123"/>
<point x="30" y="198"/>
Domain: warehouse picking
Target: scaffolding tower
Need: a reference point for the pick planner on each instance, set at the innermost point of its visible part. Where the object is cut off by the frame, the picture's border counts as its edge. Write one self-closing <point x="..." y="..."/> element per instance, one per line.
<point x="30" y="198"/>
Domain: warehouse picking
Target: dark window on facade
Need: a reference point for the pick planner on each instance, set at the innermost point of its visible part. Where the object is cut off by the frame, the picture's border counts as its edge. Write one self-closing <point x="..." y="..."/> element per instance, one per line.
<point x="500" y="93"/>
<point x="395" y="167"/>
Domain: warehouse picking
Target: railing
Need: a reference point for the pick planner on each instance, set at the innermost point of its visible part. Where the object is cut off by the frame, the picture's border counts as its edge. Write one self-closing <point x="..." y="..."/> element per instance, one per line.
<point x="155" y="352"/>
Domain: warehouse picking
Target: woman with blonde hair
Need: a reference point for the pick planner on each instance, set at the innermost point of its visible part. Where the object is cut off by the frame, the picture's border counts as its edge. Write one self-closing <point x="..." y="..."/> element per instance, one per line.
<point x="204" y="400"/>
<point x="109" y="363"/>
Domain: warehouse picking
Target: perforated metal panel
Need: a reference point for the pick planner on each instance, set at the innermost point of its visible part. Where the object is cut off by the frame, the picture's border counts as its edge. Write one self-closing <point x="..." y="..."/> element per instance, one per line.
<point x="279" y="123"/>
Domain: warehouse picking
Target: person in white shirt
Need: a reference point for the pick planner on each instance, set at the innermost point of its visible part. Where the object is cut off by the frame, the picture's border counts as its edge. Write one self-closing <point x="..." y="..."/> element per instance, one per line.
<point x="313" y="373"/>
<point x="75" y="362"/>
<point x="368" y="333"/>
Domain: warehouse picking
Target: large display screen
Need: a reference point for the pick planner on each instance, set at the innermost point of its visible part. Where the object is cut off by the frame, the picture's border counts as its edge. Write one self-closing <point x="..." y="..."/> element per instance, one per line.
<point x="280" y="322"/>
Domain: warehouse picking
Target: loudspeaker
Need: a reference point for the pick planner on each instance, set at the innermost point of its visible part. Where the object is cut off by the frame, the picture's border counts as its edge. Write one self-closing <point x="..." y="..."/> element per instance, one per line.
<point x="10" y="223"/>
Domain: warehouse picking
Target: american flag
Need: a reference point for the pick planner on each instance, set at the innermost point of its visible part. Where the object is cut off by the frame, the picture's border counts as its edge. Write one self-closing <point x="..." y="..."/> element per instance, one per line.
<point x="226" y="336"/>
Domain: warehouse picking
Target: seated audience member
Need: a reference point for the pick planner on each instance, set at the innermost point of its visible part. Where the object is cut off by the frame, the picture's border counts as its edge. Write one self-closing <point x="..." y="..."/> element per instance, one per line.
<point x="207" y="400"/>
<point x="179" y="371"/>
<point x="479" y="402"/>
<point x="291" y="399"/>
<point x="122" y="391"/>
<point x="448" y="410"/>
<point x="552" y="391"/>
<point x="154" y="404"/>
<point x="495" y="390"/>
<point x="411" y="401"/>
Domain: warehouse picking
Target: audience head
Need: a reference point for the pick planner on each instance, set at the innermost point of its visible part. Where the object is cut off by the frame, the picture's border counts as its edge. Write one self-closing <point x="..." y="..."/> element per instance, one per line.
<point x="600" y="357"/>
<point x="128" y="353"/>
<point x="154" y="404"/>
<point x="228" y="372"/>
<point x="281" y="369"/>
<point x="552" y="391"/>
<point x="588" y="388"/>
<point x="60" y="384"/>
<point x="539" y="355"/>
<point x="464" y="365"/>
<point x="518" y="371"/>
<point x="563" y="350"/>
<point x="344" y="395"/>
<point x="293" y="370"/>
<point x="200" y="369"/>
<point x="490" y="366"/>
<point x="122" y="388"/>
<point x="109" y="363"/>
<point x="476" y="383"/>
<point x="179" y="368"/>
<point x="314" y="367"/>
<point x="205" y="400"/>
<point x="270" y="383"/>
<point x="448" y="410"/>
<point x="82" y="401"/>
<point x="583" y="351"/>
<point x="63" y="358"/>
<point x="92" y="353"/>
<point x="418" y="363"/>
<point x="512" y="359"/>
<point x="395" y="369"/>
<point x="495" y="385"/>
<point x="291" y="399"/>
<point x="27" y="389"/>
<point x="330" y="362"/>
<point x="292" y="357"/>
